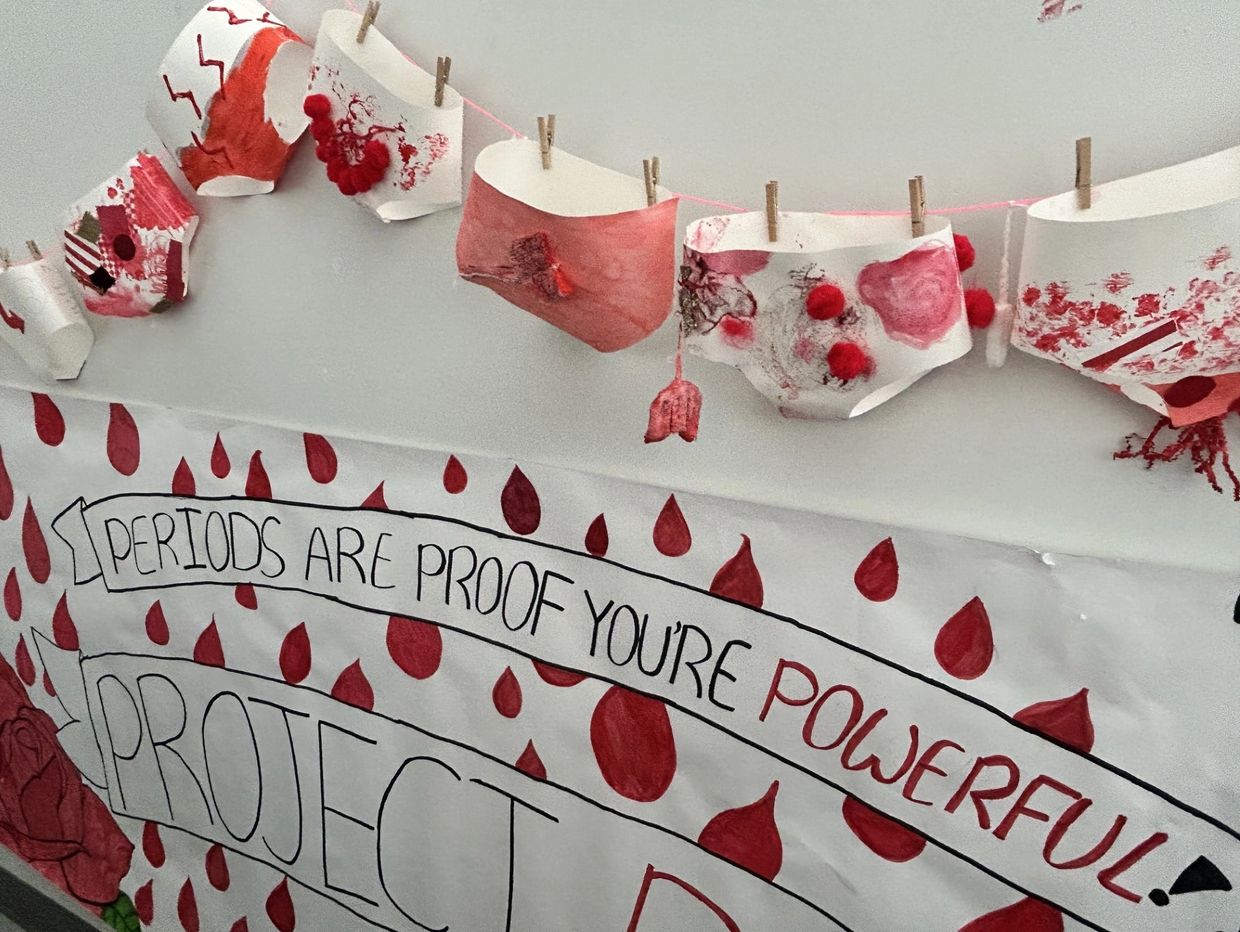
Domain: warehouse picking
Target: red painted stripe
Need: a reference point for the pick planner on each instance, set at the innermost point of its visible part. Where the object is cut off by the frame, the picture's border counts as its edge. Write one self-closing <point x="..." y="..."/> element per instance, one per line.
<point x="1104" y="361"/>
<point x="83" y="245"/>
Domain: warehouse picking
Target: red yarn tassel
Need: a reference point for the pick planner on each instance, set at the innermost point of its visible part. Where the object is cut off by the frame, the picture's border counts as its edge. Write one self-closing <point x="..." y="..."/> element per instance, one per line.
<point x="678" y="408"/>
<point x="1205" y="442"/>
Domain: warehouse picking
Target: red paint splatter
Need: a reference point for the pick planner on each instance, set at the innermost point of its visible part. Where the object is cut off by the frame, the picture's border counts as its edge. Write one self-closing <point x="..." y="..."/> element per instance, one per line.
<point x="13" y="596"/>
<point x="885" y="837"/>
<point x="1220" y="256"/>
<point x="183" y="480"/>
<point x="1053" y="9"/>
<point x="34" y="544"/>
<point x="519" y="500"/>
<point x="917" y="297"/>
<point x="353" y="687"/>
<point x="878" y="575"/>
<point x="320" y="458"/>
<point x="1064" y="720"/>
<point x="49" y="423"/>
<point x="455" y="478"/>
<point x="153" y="845"/>
<point x="748" y="836"/>
<point x="156" y="624"/>
<point x="217" y="868"/>
<point x="376" y="500"/>
<point x="415" y="646"/>
<point x="245" y="596"/>
<point x="257" y="485"/>
<point x="295" y="655"/>
<point x="1027" y="915"/>
<point x="124" y="447"/>
<point x="144" y="903"/>
<point x="280" y="908"/>
<point x="597" y="540"/>
<point x="25" y="666"/>
<point x="208" y="651"/>
<point x="965" y="645"/>
<point x="6" y="491"/>
<point x="221" y="466"/>
<point x="506" y="694"/>
<point x="187" y="907"/>
<point x="63" y="629"/>
<point x="739" y="579"/>
<point x="671" y="532"/>
<point x="633" y="744"/>
<point x="530" y="763"/>
<point x="557" y="676"/>
<point x="1118" y="282"/>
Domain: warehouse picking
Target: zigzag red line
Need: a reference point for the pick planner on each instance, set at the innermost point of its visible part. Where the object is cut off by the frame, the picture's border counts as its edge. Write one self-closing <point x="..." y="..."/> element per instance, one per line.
<point x="210" y="63"/>
<point x="183" y="95"/>
<point x="233" y="18"/>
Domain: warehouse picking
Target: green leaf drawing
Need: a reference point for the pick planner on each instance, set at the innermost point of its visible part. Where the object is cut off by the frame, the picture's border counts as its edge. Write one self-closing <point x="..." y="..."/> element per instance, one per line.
<point x="122" y="916"/>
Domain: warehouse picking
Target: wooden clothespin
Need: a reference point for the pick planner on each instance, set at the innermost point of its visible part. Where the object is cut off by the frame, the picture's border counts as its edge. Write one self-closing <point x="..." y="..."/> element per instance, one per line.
<point x="35" y="252"/>
<point x="650" y="169"/>
<point x="5" y="260"/>
<point x="1085" y="172"/>
<point x="772" y="211"/>
<point x="443" y="67"/>
<point x="917" y="204"/>
<point x="546" y="138"/>
<point x="368" y="20"/>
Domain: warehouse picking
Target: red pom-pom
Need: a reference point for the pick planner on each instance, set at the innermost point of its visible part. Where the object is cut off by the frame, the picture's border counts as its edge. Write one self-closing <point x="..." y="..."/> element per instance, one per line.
<point x="847" y="361"/>
<point x="979" y="304"/>
<point x="318" y="106"/>
<point x="345" y="184"/>
<point x="336" y="169"/>
<point x="825" y="302"/>
<point x="966" y="255"/>
<point x="376" y="153"/>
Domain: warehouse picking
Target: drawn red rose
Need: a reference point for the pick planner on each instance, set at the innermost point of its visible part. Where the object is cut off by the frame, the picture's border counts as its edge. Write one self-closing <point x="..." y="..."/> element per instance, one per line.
<point x="917" y="297"/>
<point x="47" y="815"/>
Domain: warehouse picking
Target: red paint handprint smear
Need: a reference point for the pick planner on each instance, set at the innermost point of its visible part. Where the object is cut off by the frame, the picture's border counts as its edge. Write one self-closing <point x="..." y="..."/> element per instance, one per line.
<point x="739" y="579"/>
<point x="597" y="539"/>
<point x="34" y="545"/>
<point x="49" y="423"/>
<point x="633" y="744"/>
<point x="530" y="763"/>
<point x="671" y="532"/>
<point x="221" y="466"/>
<point x="320" y="458"/>
<point x="353" y="687"/>
<point x="1027" y="915"/>
<point x="506" y="694"/>
<point x="455" y="478"/>
<point x="124" y="445"/>
<point x="415" y="646"/>
<point x="748" y="836"/>
<point x="183" y="480"/>
<point x="878" y="575"/>
<point x="208" y="650"/>
<point x="295" y="655"/>
<point x="64" y="631"/>
<point x="1064" y="720"/>
<point x="156" y="624"/>
<point x="887" y="838"/>
<point x="520" y="503"/>
<point x="965" y="644"/>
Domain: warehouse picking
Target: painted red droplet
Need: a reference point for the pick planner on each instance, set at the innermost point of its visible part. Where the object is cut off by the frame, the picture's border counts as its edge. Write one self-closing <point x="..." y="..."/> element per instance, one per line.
<point x="671" y="531"/>
<point x="246" y="597"/>
<point x="455" y="478"/>
<point x="597" y="539"/>
<point x="124" y="447"/>
<point x="519" y="500"/>
<point x="156" y="624"/>
<point x="965" y="645"/>
<point x="49" y="423"/>
<point x="878" y="575"/>
<point x="208" y="650"/>
<point x="34" y="544"/>
<point x="739" y="579"/>
<point x="280" y="908"/>
<point x="353" y="687"/>
<point x="257" y="485"/>
<point x="144" y="903"/>
<point x="241" y="925"/>
<point x="1064" y="720"/>
<point x="1027" y="915"/>
<point x="633" y="744"/>
<point x="13" y="596"/>
<point x="295" y="655"/>
<point x="153" y="845"/>
<point x="558" y="676"/>
<point x="1189" y="390"/>
<point x="506" y="694"/>
<point x="530" y="763"/>
<point x="376" y="499"/>
<point x="885" y="837"/>
<point x="183" y="480"/>
<point x="320" y="458"/>
<point x="415" y="646"/>
<point x="187" y="907"/>
<point x="6" y="491"/>
<point x="748" y="836"/>
<point x="217" y="868"/>
<point x="25" y="666"/>
<point x="47" y="684"/>
<point x="221" y="466"/>
<point x="63" y="629"/>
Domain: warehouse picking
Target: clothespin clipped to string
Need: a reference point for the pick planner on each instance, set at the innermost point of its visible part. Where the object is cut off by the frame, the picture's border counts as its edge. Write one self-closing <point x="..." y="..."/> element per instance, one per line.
<point x="443" y="68"/>
<point x="1085" y="172"/>
<point x="546" y="138"/>
<point x="917" y="204"/>
<point x="368" y="20"/>
<point x="650" y="169"/>
<point x="772" y="211"/>
<point x="35" y="252"/>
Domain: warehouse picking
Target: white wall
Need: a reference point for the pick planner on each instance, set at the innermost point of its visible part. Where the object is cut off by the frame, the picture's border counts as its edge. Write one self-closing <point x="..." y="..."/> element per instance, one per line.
<point x="307" y="311"/>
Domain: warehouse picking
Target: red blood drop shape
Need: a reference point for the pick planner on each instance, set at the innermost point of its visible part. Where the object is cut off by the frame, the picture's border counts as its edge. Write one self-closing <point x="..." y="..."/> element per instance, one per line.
<point x="878" y="575"/>
<point x="156" y="624"/>
<point x="885" y="837"/>
<point x="144" y="903"/>
<point x="1064" y="720"/>
<point x="671" y="531"/>
<point x="522" y="510"/>
<point x="376" y="499"/>
<point x="557" y="676"/>
<point x="153" y="845"/>
<point x="633" y="744"/>
<point x="530" y="763"/>
<point x="320" y="458"/>
<point x="209" y="651"/>
<point x="241" y="925"/>
<point x="597" y="539"/>
<point x="353" y="687"/>
<point x="187" y="907"/>
<point x="13" y="596"/>
<point x="6" y="491"/>
<point x="63" y="628"/>
<point x="748" y="836"/>
<point x="1189" y="390"/>
<point x="49" y="423"/>
<point x="965" y="645"/>
<point x="739" y="579"/>
<point x="455" y="478"/>
<point x="257" y="485"/>
<point x="25" y="666"/>
<point x="183" y="480"/>
<point x="415" y="646"/>
<point x="47" y="684"/>
<point x="35" y="546"/>
<point x="295" y="655"/>
<point x="217" y="868"/>
<point x="124" y="448"/>
<point x="506" y="694"/>
<point x="1027" y="915"/>
<point x="246" y="596"/>
<point x="221" y="466"/>
<point x="280" y="908"/>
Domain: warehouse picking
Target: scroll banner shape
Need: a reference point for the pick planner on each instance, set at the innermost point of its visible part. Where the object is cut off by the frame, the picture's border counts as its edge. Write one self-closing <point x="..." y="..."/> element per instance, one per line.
<point x="776" y="684"/>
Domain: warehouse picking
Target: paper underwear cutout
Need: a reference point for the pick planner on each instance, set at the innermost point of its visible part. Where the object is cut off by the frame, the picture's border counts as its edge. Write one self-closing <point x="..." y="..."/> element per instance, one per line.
<point x="227" y="102"/>
<point x="40" y="319"/>
<point x="1142" y="290"/>
<point x="573" y="244"/>
<point x="378" y="93"/>
<point x="127" y="242"/>
<point x="838" y="316"/>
